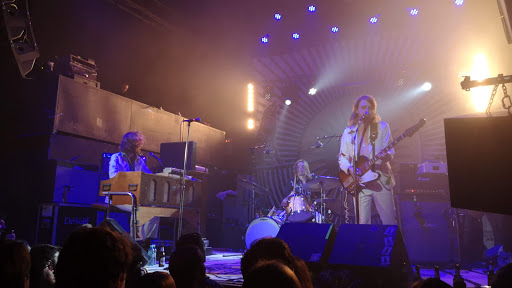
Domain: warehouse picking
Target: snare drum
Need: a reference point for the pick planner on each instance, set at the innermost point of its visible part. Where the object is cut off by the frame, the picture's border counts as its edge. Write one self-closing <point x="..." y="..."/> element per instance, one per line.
<point x="298" y="209"/>
<point x="261" y="228"/>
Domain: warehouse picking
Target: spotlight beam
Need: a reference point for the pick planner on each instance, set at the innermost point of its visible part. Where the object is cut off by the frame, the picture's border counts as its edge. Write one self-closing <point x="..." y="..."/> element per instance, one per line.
<point x="467" y="84"/>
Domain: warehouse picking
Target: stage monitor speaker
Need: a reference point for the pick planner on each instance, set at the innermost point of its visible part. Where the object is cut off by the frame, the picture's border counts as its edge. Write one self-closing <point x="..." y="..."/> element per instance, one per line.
<point x="173" y="154"/>
<point x="479" y="162"/>
<point x="311" y="242"/>
<point x="505" y="7"/>
<point x="427" y="224"/>
<point x="113" y="225"/>
<point x="377" y="251"/>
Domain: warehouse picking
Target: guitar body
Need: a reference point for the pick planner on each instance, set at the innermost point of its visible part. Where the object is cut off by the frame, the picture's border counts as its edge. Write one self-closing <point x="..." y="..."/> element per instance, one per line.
<point x="368" y="175"/>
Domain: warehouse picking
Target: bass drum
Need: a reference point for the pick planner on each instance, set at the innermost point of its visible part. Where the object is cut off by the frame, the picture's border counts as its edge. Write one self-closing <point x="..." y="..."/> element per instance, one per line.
<point x="261" y="228"/>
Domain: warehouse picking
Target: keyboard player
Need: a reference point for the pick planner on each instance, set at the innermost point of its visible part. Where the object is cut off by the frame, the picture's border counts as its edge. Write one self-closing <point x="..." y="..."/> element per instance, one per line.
<point x="128" y="158"/>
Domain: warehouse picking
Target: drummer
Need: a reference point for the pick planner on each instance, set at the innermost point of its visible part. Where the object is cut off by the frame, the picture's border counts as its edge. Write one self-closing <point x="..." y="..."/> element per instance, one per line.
<point x="301" y="175"/>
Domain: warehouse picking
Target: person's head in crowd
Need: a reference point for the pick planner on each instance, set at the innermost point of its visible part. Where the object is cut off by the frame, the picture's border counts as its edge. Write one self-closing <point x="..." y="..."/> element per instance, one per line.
<point x="93" y="257"/>
<point x="192" y="239"/>
<point x="275" y="249"/>
<point x="271" y="274"/>
<point x="135" y="268"/>
<point x="14" y="264"/>
<point x="336" y="278"/>
<point x="132" y="143"/>
<point x="186" y="266"/>
<point x="430" y="283"/>
<point x="503" y="277"/>
<point x="43" y="257"/>
<point x="5" y="234"/>
<point x="156" y="280"/>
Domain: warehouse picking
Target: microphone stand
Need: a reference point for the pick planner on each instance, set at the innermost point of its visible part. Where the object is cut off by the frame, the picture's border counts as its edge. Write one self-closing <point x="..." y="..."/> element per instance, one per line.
<point x="251" y="213"/>
<point x="355" y="176"/>
<point x="183" y="179"/>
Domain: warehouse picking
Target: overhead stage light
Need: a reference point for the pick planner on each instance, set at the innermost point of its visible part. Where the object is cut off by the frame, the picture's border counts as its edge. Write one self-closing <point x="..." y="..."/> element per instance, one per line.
<point x="288" y="101"/>
<point x="414" y="12"/>
<point x="277" y="16"/>
<point x="311" y="8"/>
<point x="295" y="35"/>
<point x="250" y="97"/>
<point x="312" y="91"/>
<point x="335" y="29"/>
<point x="373" y="20"/>
<point x="426" y="86"/>
<point x="459" y="2"/>
<point x="264" y="39"/>
<point x="250" y="124"/>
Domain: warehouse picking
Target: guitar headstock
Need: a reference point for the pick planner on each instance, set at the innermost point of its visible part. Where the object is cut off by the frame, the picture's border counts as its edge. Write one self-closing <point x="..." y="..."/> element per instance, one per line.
<point x="413" y="129"/>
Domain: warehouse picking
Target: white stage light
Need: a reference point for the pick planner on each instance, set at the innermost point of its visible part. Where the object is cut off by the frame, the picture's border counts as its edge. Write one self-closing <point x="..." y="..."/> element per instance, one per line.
<point x="426" y="86"/>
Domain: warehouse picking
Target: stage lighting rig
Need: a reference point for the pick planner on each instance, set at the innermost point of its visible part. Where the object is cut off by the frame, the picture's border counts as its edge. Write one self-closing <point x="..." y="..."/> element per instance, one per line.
<point x="506" y="101"/>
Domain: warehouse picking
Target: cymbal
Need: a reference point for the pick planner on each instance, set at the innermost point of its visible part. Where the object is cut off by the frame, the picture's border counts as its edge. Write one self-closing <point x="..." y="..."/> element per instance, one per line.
<point x="323" y="182"/>
<point x="250" y="185"/>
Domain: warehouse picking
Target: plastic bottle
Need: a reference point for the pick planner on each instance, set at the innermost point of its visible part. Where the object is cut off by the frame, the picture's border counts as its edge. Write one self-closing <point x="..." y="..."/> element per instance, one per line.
<point x="152" y="255"/>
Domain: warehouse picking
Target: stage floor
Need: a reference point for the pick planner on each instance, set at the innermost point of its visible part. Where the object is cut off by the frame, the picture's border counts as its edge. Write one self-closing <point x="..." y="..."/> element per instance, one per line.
<point x="224" y="267"/>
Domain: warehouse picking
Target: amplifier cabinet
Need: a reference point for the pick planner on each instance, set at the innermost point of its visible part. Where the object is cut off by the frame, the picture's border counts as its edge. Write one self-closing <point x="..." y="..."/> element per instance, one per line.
<point x="56" y="220"/>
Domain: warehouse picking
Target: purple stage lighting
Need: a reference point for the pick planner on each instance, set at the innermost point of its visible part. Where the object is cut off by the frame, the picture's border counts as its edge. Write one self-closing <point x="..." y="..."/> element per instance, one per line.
<point x="335" y="29"/>
<point x="459" y="2"/>
<point x="295" y="35"/>
<point x="277" y="16"/>
<point x="414" y="12"/>
<point x="373" y="20"/>
<point x="264" y="39"/>
<point x="311" y="8"/>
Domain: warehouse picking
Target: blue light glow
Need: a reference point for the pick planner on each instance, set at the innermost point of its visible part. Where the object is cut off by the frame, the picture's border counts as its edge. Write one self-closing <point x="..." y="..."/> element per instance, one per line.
<point x="264" y="39"/>
<point x="311" y="8"/>
<point x="295" y="35"/>
<point x="277" y="16"/>
<point x="335" y="29"/>
<point x="373" y="20"/>
<point x="459" y="2"/>
<point x="414" y="12"/>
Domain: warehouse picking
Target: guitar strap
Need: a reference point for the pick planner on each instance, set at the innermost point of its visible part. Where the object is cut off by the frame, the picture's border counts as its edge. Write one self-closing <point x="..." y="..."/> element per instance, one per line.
<point x="374" y="133"/>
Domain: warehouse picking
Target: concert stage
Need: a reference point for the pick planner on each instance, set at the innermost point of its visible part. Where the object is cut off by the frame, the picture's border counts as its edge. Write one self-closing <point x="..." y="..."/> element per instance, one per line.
<point x="224" y="267"/>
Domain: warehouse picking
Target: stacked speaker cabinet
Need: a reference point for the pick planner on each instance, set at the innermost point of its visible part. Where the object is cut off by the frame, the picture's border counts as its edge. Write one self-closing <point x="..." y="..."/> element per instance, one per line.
<point x="57" y="220"/>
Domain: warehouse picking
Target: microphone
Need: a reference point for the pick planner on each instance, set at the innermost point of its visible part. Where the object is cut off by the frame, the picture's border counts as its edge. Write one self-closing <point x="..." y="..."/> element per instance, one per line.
<point x="365" y="115"/>
<point x="154" y="156"/>
<point x="317" y="145"/>
<point x="192" y="120"/>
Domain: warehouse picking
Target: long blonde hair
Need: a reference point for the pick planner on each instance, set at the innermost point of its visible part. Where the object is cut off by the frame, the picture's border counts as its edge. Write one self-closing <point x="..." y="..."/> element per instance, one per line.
<point x="354" y="118"/>
<point x="306" y="166"/>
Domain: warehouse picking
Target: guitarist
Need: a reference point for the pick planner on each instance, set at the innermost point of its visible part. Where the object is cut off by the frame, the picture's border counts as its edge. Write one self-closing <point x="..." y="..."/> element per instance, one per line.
<point x="373" y="136"/>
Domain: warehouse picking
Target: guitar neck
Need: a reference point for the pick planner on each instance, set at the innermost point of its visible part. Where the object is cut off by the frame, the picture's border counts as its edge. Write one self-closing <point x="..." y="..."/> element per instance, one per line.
<point x="386" y="149"/>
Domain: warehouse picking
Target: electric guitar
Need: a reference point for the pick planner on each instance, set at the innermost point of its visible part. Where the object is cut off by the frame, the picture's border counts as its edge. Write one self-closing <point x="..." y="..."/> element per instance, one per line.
<point x="365" y="164"/>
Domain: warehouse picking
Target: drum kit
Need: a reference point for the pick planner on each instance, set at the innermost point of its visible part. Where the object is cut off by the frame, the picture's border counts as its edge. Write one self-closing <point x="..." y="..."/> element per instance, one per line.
<point x="300" y="208"/>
